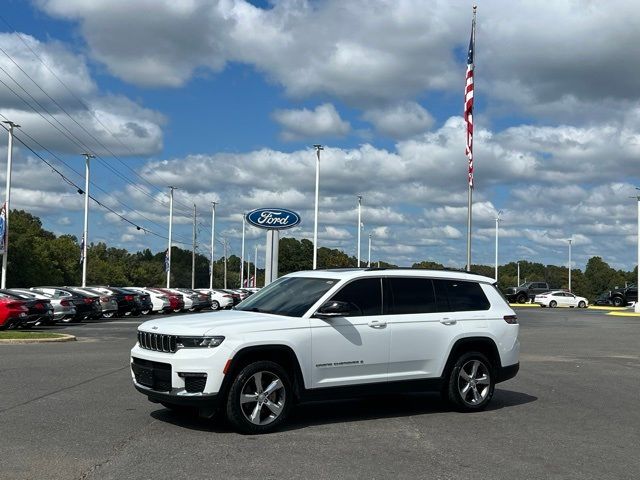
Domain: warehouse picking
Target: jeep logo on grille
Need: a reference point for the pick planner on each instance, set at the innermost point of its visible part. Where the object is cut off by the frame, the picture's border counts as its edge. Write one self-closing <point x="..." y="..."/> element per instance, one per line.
<point x="273" y="218"/>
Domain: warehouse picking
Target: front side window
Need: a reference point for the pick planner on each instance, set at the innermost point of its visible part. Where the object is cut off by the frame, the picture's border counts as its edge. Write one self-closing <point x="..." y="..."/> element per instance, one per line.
<point x="411" y="295"/>
<point x="288" y="296"/>
<point x="462" y="296"/>
<point x="364" y="297"/>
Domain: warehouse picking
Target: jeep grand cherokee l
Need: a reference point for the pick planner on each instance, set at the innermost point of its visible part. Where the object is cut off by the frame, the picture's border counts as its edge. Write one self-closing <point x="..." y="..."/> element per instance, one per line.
<point x="329" y="333"/>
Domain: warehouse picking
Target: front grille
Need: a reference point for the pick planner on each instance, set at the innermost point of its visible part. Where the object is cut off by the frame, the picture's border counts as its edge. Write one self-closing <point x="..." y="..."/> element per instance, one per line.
<point x="158" y="342"/>
<point x="154" y="375"/>
<point x="195" y="383"/>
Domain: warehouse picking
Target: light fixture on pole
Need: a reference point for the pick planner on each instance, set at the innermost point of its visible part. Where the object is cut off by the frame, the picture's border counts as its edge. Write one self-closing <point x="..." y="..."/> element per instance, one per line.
<point x="315" y="221"/>
<point x="168" y="255"/>
<point x="359" y="225"/>
<point x="369" y="256"/>
<point x="85" y="230"/>
<point x="213" y="236"/>
<point x="242" y="254"/>
<point x="570" y="240"/>
<point x="496" y="264"/>
<point x="7" y="204"/>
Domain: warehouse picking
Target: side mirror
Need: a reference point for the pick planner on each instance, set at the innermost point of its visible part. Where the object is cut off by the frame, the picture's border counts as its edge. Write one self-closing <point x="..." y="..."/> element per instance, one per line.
<point x="334" y="308"/>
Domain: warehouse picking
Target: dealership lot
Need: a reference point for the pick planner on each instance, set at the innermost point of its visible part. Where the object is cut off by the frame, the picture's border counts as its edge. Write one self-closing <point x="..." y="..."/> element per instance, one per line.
<point x="69" y="411"/>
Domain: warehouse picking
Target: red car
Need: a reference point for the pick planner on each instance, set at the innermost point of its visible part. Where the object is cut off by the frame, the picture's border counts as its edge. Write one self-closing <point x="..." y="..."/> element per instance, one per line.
<point x="12" y="312"/>
<point x="176" y="300"/>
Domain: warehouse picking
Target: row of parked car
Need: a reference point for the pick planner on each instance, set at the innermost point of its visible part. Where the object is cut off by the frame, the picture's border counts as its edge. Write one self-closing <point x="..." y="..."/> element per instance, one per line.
<point x="26" y="307"/>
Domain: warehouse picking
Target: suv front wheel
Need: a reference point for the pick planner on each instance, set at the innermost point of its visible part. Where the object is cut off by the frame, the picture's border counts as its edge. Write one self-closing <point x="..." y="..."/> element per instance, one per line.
<point x="259" y="398"/>
<point x="471" y="382"/>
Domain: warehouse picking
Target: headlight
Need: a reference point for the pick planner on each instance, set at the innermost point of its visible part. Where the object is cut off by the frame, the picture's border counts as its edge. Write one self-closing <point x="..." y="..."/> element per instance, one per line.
<point x="198" y="342"/>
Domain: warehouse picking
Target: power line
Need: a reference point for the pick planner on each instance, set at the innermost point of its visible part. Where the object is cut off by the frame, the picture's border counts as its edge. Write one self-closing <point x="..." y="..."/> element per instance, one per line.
<point x="79" y="190"/>
<point x="80" y="101"/>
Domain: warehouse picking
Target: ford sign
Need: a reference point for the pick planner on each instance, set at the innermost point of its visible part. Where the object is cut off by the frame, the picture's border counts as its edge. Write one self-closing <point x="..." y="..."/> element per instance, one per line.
<point x="273" y="218"/>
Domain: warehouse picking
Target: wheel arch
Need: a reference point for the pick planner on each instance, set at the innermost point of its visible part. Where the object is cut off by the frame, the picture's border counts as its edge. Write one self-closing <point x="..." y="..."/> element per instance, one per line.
<point x="484" y="345"/>
<point x="278" y="353"/>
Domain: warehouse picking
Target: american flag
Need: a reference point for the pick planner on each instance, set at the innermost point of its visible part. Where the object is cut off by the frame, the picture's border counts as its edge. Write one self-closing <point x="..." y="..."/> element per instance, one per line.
<point x="468" y="101"/>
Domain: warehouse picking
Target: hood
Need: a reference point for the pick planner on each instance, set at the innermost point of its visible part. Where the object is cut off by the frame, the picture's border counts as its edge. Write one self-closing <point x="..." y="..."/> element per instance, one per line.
<point x="221" y="323"/>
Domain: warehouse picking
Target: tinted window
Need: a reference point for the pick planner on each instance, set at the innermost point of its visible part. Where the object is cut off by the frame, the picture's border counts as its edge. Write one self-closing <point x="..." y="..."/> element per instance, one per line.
<point x="411" y="295"/>
<point x="364" y="297"/>
<point x="462" y="296"/>
<point x="289" y="296"/>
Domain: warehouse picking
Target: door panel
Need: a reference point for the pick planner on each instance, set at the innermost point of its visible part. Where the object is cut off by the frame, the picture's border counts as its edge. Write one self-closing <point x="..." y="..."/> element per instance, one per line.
<point x="354" y="348"/>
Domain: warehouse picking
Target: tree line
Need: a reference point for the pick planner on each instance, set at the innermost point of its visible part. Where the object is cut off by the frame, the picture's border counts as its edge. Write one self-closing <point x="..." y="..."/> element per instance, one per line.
<point x="39" y="257"/>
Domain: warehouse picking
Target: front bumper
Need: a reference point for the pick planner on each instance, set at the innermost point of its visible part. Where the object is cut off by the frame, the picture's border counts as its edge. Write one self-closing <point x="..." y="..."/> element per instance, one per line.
<point x="176" y="397"/>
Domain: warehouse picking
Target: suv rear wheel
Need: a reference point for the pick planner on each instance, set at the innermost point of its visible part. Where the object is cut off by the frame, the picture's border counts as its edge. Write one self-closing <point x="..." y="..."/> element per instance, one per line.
<point x="522" y="298"/>
<point x="259" y="398"/>
<point x="471" y="382"/>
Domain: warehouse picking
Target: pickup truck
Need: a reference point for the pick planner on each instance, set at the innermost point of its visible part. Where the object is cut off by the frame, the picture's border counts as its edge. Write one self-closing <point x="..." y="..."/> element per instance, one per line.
<point x="619" y="297"/>
<point x="526" y="292"/>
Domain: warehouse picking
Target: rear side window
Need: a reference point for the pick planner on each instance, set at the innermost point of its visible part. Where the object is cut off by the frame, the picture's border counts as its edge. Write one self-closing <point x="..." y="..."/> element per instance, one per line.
<point x="411" y="295"/>
<point x="461" y="296"/>
<point x="364" y="297"/>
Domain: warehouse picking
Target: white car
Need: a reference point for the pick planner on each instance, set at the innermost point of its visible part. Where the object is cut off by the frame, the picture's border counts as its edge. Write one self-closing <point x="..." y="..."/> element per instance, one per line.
<point x="332" y="333"/>
<point x="559" y="298"/>
<point x="219" y="298"/>
<point x="159" y="300"/>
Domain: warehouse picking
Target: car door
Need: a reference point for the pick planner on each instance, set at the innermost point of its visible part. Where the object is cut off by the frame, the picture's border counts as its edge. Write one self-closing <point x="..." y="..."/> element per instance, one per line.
<point x="570" y="300"/>
<point x="353" y="349"/>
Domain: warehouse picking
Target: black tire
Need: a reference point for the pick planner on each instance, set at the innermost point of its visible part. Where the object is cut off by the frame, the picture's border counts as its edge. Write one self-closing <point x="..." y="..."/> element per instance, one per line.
<point x="215" y="305"/>
<point x="582" y="304"/>
<point x="522" y="298"/>
<point x="617" y="302"/>
<point x="474" y="399"/>
<point x="267" y="420"/>
<point x="553" y="304"/>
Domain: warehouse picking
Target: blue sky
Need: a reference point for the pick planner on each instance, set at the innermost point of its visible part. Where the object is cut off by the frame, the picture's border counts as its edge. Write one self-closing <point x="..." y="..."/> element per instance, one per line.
<point x="224" y="100"/>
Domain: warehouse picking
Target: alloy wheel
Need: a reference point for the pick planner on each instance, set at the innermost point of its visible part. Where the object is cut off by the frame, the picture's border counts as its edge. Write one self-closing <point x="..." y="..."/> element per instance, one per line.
<point x="474" y="382"/>
<point x="262" y="398"/>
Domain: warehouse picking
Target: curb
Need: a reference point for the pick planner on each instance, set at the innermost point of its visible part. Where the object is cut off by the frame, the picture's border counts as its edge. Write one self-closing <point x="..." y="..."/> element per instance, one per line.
<point x="524" y="305"/>
<point x="64" y="338"/>
<point x="624" y="314"/>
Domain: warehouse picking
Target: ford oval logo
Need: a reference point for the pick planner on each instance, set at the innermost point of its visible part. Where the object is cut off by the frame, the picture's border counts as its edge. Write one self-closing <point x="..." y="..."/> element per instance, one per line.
<point x="273" y="218"/>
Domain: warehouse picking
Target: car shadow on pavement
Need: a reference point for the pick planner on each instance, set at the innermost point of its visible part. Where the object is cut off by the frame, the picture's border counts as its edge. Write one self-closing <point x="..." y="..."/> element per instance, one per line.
<point x="350" y="410"/>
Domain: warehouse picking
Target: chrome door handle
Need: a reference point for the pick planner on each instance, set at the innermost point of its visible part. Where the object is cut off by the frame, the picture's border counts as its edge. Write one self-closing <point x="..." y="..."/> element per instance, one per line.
<point x="377" y="324"/>
<point x="448" y="321"/>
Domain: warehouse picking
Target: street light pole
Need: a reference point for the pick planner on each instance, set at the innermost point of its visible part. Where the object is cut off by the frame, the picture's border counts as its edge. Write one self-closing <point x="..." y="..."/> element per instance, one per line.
<point x="255" y="268"/>
<point x="242" y="255"/>
<point x="171" y="189"/>
<point x="518" y="264"/>
<point x="315" y="222"/>
<point x="213" y="236"/>
<point x="569" y="240"/>
<point x="225" y="262"/>
<point x="359" y="225"/>
<point x="85" y="231"/>
<point x="637" y="306"/>
<point x="193" y="252"/>
<point x="496" y="262"/>
<point x="7" y="203"/>
<point x="369" y="256"/>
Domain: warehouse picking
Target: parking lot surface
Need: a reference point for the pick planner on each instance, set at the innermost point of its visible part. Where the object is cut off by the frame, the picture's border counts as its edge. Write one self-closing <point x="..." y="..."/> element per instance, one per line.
<point x="69" y="411"/>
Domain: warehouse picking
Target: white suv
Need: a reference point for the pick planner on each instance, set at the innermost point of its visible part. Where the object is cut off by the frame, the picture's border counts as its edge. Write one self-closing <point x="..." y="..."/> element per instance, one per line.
<point x="328" y="333"/>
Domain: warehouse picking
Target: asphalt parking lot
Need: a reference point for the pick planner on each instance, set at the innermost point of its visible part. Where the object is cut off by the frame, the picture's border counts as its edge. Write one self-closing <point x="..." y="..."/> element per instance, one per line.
<point x="69" y="411"/>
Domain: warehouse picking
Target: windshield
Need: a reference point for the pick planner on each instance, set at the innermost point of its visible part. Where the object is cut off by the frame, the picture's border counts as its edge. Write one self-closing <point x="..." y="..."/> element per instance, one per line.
<point x="289" y="296"/>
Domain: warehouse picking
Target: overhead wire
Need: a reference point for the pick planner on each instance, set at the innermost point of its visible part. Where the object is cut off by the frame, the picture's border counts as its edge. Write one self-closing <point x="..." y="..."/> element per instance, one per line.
<point x="79" y="189"/>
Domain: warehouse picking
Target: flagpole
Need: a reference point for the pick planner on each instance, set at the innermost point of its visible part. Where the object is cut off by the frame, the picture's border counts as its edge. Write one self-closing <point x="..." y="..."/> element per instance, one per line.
<point x="468" y="114"/>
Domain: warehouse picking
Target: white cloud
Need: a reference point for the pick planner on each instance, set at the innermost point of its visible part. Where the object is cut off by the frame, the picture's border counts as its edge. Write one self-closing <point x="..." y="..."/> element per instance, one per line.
<point x="401" y="120"/>
<point x="322" y="122"/>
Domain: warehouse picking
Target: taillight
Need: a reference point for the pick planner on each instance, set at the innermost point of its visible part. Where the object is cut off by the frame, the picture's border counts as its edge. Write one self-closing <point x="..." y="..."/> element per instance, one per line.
<point x="39" y="306"/>
<point x="65" y="303"/>
<point x="88" y="300"/>
<point x="511" y="319"/>
<point x="14" y="304"/>
<point x="128" y="298"/>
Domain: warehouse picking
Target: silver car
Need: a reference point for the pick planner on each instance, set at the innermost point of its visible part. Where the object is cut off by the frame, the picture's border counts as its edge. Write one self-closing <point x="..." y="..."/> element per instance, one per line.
<point x="63" y="310"/>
